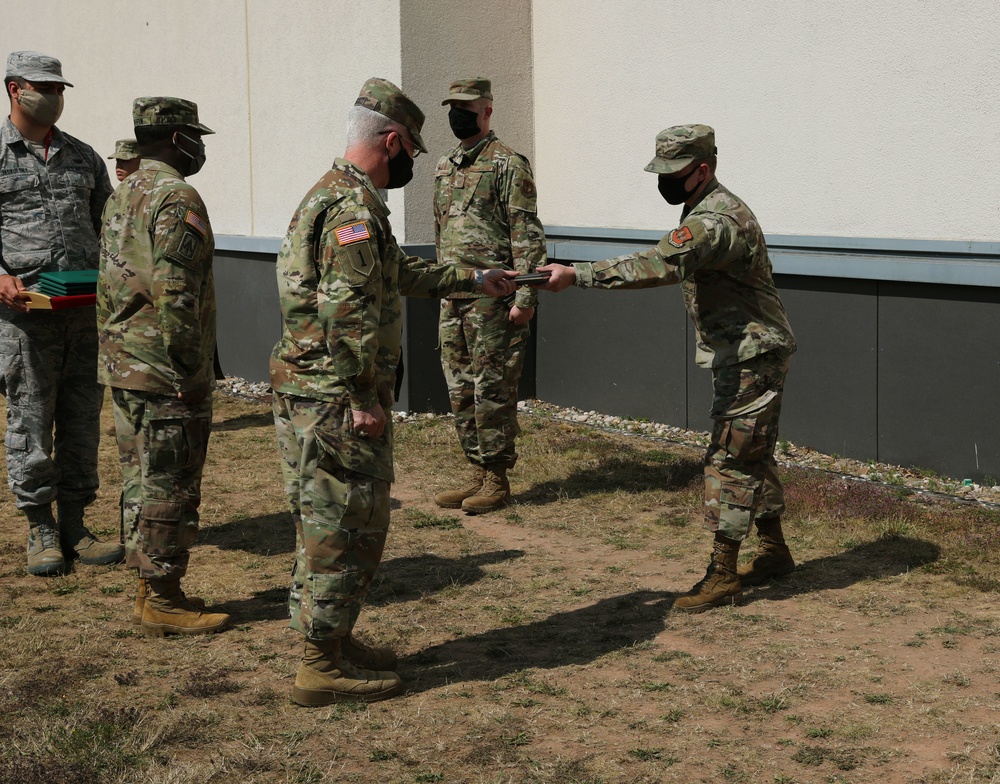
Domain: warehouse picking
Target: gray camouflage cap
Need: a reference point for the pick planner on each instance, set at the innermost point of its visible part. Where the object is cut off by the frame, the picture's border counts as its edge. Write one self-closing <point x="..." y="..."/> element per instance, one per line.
<point x="35" y="67"/>
<point x="152" y="111"/>
<point x="125" y="150"/>
<point x="382" y="96"/>
<point x="468" y="90"/>
<point x="677" y="147"/>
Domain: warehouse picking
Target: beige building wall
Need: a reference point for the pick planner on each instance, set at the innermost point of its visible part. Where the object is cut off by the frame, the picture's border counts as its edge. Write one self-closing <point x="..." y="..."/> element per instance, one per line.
<point x="848" y="118"/>
<point x="273" y="79"/>
<point x="444" y="40"/>
<point x="861" y="118"/>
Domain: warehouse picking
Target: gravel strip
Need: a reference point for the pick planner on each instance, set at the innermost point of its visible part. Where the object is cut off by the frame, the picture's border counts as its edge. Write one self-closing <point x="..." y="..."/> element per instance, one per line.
<point x="923" y="482"/>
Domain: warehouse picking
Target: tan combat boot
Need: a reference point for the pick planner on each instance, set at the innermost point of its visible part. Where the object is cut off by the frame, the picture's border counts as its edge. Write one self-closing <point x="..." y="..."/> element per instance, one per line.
<point x="494" y="493"/>
<point x="140" y="603"/>
<point x="45" y="555"/>
<point x="720" y="585"/>
<point x="168" y="611"/>
<point x="368" y="657"/>
<point x="79" y="542"/>
<point x="325" y="676"/>
<point x="452" y="499"/>
<point x="772" y="559"/>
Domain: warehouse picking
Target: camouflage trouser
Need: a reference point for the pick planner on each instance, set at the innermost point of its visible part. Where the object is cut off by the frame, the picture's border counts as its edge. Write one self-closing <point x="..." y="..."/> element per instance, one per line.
<point x="162" y="444"/>
<point x="741" y="481"/>
<point x="341" y="522"/>
<point x="48" y="362"/>
<point x="482" y="354"/>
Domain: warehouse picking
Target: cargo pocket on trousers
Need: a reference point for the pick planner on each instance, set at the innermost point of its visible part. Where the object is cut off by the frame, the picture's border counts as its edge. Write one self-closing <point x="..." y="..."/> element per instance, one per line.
<point x="332" y="597"/>
<point x="17" y="451"/>
<point x="162" y="528"/>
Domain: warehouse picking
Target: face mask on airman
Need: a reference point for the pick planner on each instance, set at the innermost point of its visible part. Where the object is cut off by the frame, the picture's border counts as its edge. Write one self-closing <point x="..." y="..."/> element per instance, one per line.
<point x="198" y="159"/>
<point x="43" y="108"/>
<point x="464" y="123"/>
<point x="672" y="188"/>
<point x="400" y="168"/>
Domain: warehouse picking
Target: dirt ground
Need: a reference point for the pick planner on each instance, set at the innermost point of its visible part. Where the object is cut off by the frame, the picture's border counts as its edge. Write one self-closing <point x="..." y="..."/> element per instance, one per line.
<point x="537" y="643"/>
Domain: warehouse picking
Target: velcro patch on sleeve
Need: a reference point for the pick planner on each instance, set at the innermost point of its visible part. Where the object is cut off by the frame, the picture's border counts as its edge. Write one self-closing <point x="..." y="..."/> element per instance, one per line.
<point x="679" y="237"/>
<point x="198" y="223"/>
<point x="353" y="232"/>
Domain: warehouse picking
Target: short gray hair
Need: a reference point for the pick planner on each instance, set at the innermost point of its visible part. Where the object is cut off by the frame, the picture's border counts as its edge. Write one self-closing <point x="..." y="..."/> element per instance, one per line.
<point x="365" y="125"/>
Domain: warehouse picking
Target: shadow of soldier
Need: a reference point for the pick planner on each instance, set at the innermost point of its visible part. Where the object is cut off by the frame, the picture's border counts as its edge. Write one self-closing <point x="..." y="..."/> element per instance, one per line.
<point x="270" y="604"/>
<point x="268" y="534"/>
<point x="629" y="471"/>
<point x="244" y="421"/>
<point x="573" y="637"/>
<point x="886" y="556"/>
<point x="410" y="577"/>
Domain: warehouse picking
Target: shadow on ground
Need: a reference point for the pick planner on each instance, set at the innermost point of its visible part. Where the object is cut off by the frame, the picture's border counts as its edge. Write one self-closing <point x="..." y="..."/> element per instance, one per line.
<point x="573" y="637"/>
<point x="408" y="578"/>
<point x="243" y="421"/>
<point x="885" y="557"/>
<point x="629" y="471"/>
<point x="268" y="534"/>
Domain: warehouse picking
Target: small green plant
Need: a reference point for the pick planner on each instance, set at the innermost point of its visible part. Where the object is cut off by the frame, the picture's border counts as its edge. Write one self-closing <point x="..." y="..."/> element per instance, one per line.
<point x="421" y="519"/>
<point x="819" y="732"/>
<point x="879" y="699"/>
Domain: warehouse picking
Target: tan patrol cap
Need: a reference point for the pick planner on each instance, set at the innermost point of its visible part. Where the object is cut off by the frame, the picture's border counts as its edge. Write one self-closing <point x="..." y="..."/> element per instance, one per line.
<point x="125" y="150"/>
<point x="382" y="96"/>
<point x="677" y="147"/>
<point x="469" y="90"/>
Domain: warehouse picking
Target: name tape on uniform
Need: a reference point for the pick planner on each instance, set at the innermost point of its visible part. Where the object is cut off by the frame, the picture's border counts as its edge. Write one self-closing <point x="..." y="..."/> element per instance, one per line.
<point x="355" y="232"/>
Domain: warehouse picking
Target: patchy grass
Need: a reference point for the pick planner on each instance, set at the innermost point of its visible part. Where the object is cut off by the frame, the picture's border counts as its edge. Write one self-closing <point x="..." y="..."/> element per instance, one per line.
<point x="537" y="643"/>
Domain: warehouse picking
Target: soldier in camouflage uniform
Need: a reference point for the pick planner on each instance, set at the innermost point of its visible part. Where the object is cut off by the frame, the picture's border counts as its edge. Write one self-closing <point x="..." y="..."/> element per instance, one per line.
<point x="719" y="258"/>
<point x="52" y="189"/>
<point x="126" y="157"/>
<point x="484" y="218"/>
<point x="340" y="277"/>
<point x="156" y="314"/>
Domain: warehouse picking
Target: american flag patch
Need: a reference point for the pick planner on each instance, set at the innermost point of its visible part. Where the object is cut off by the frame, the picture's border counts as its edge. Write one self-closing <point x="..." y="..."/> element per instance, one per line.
<point x="193" y="219"/>
<point x="355" y="232"/>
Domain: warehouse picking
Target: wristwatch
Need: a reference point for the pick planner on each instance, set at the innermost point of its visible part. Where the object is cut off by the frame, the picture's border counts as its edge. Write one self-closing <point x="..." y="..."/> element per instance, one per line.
<point x="479" y="281"/>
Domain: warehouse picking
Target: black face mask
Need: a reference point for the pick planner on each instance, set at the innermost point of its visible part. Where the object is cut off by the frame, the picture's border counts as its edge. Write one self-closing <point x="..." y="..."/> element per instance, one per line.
<point x="672" y="188"/>
<point x="400" y="168"/>
<point x="463" y="122"/>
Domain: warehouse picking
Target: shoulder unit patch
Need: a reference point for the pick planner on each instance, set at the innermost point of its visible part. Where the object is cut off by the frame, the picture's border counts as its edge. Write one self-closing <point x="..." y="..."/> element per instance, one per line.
<point x="678" y="237"/>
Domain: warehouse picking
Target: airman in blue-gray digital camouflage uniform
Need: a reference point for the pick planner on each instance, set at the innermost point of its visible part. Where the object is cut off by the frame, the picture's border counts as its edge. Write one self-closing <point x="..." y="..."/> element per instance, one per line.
<point x="719" y="258"/>
<point x="156" y="313"/>
<point x="485" y="217"/>
<point x="52" y="189"/>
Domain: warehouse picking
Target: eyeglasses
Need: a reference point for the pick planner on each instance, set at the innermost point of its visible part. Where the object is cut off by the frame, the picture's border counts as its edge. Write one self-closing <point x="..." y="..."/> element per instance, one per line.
<point x="404" y="141"/>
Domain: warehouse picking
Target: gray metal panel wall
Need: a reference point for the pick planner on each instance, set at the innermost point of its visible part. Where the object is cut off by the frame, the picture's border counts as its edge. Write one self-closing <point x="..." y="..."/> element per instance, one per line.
<point x="249" y="321"/>
<point x="939" y="370"/>
<point x="620" y="352"/>
<point x="832" y="389"/>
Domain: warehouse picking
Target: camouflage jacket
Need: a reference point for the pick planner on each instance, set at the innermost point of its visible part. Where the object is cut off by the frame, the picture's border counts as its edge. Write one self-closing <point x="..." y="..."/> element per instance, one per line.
<point x="719" y="257"/>
<point x="50" y="211"/>
<point x="340" y="277"/>
<point x="485" y="214"/>
<point x="155" y="290"/>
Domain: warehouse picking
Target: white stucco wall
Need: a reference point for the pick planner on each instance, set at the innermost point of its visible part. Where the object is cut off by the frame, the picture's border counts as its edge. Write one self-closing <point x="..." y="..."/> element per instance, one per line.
<point x="274" y="80"/>
<point x="861" y="118"/>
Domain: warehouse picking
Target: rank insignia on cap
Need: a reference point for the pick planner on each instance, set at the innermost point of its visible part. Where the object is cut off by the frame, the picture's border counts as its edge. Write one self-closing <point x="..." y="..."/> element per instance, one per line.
<point x="680" y="236"/>
<point x="195" y="221"/>
<point x="354" y="232"/>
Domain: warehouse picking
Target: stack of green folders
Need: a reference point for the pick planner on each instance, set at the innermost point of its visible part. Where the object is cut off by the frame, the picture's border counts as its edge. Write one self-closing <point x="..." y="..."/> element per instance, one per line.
<point x="68" y="283"/>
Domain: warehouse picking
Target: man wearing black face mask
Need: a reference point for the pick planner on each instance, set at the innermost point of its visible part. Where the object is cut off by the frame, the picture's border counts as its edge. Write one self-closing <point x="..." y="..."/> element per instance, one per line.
<point x="485" y="217"/>
<point x="156" y="315"/>
<point x="52" y="190"/>
<point x="719" y="257"/>
<point x="341" y="278"/>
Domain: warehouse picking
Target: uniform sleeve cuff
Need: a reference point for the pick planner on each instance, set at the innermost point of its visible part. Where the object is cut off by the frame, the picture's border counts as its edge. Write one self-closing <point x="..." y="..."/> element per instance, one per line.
<point x="584" y="275"/>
